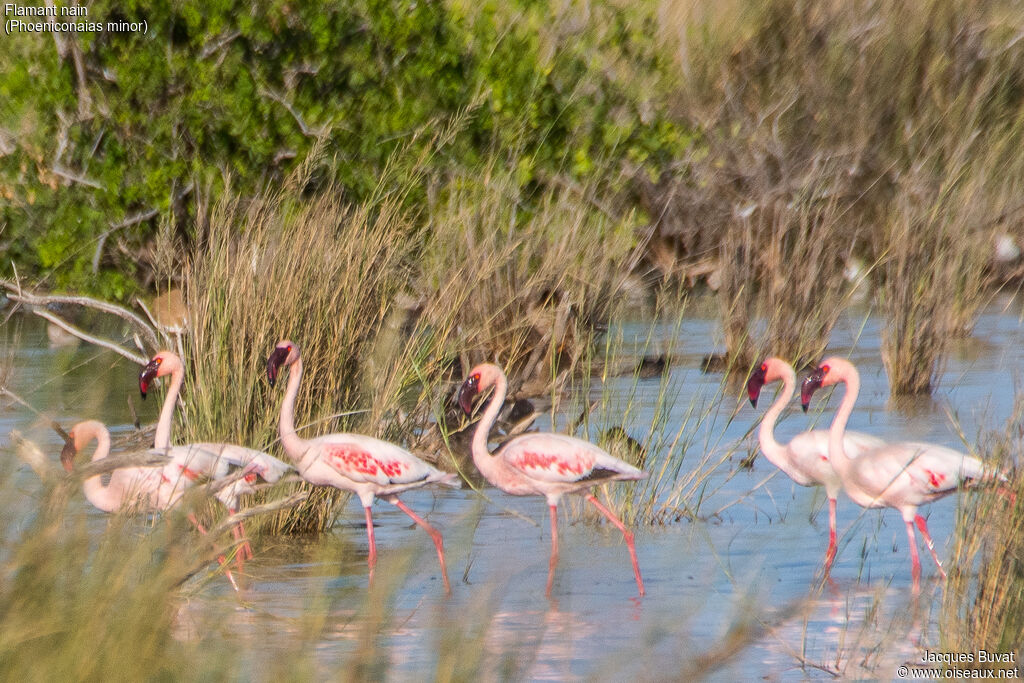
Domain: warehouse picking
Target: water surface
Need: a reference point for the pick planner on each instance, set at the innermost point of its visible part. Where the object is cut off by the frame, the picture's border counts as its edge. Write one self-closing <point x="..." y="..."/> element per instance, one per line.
<point x="753" y="551"/>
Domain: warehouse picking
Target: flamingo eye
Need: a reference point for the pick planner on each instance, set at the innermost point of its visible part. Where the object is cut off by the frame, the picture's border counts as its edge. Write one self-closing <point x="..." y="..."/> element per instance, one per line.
<point x="764" y="367"/>
<point x="824" y="368"/>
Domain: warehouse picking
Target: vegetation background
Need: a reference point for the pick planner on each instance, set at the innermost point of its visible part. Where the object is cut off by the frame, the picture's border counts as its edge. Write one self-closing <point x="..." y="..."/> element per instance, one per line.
<point x="503" y="177"/>
<point x="725" y="141"/>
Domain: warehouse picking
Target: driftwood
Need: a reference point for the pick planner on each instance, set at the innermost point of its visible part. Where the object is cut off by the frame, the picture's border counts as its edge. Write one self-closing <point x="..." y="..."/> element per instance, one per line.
<point x="38" y="301"/>
<point x="273" y="506"/>
<point x="16" y="293"/>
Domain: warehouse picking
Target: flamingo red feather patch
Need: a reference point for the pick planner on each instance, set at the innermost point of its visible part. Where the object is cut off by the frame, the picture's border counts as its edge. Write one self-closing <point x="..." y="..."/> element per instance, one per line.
<point x="353" y="458"/>
<point x="935" y="479"/>
<point x="545" y="461"/>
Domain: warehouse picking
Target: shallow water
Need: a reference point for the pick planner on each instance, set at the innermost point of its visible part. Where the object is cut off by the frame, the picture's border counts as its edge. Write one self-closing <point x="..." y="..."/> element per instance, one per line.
<point x="754" y="551"/>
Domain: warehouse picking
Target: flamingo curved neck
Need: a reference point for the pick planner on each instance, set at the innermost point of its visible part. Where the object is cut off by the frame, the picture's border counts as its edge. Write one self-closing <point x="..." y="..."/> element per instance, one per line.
<point x="295" y="447"/>
<point x="836" y="449"/>
<point x="163" y="427"/>
<point x="106" y="498"/>
<point x="481" y="455"/>
<point x="772" y="449"/>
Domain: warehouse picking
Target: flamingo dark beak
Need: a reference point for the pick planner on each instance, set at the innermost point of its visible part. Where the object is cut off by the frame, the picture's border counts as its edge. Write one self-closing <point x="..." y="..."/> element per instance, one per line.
<point x="810" y="384"/>
<point x="754" y="384"/>
<point x="467" y="393"/>
<point x="68" y="453"/>
<point x="147" y="375"/>
<point x="274" y="363"/>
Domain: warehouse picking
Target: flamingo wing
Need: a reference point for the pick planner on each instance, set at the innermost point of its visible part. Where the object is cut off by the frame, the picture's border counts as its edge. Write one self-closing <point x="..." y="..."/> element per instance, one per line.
<point x="937" y="469"/>
<point x="364" y="459"/>
<point x="557" y="458"/>
<point x="266" y="466"/>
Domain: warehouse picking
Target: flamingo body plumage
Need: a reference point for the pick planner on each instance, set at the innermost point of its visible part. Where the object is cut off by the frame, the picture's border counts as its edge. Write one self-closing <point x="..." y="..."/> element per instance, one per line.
<point x="902" y="476"/>
<point x="543" y="464"/>
<point x="230" y="456"/>
<point x="805" y="458"/>
<point x="369" y="467"/>
<point x="148" y="489"/>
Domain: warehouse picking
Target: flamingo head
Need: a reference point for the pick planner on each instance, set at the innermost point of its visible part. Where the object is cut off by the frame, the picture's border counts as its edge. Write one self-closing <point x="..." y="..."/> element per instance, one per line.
<point x="826" y="374"/>
<point x="480" y="379"/>
<point x="71" y="448"/>
<point x="159" y="365"/>
<point x="758" y="378"/>
<point x="771" y="370"/>
<point x="285" y="353"/>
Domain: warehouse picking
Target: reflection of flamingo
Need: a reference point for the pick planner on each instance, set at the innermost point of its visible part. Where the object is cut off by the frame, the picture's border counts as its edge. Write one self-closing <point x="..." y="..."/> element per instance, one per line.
<point x="902" y="475"/>
<point x="352" y="462"/>
<point x="255" y="462"/>
<point x="805" y="458"/>
<point x="543" y="464"/>
<point x="143" y="489"/>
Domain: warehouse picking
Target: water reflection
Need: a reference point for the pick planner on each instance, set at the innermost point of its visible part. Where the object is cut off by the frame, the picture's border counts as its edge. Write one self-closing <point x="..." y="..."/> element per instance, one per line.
<point x="311" y="594"/>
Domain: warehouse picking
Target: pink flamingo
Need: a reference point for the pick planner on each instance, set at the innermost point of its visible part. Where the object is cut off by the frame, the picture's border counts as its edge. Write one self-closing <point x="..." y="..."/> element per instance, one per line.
<point x="805" y="458"/>
<point x="141" y="489"/>
<point x="150" y="489"/>
<point x="543" y="464"/>
<point x="361" y="464"/>
<point x="901" y="475"/>
<point x="256" y="463"/>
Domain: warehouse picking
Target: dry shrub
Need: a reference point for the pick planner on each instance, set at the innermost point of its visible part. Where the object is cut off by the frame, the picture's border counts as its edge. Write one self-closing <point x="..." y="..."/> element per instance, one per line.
<point x="843" y="110"/>
<point x="523" y="281"/>
<point x="782" y="285"/>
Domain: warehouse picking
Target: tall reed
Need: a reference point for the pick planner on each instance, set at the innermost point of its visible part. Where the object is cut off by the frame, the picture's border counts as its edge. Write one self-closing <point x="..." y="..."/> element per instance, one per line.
<point x="896" y="125"/>
<point x="316" y="271"/>
<point x="983" y="601"/>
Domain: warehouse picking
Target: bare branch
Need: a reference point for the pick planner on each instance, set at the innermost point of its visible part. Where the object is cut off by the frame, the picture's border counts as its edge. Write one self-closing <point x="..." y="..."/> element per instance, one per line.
<point x="105" y="343"/>
<point x="274" y="506"/>
<point x="134" y="219"/>
<point x="17" y="294"/>
<point x="306" y="130"/>
<point x="68" y="174"/>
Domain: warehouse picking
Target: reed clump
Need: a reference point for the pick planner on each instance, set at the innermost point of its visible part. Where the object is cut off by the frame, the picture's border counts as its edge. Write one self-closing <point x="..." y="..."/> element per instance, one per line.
<point x="983" y="601"/>
<point x="82" y="606"/>
<point x="931" y="286"/>
<point x="317" y="271"/>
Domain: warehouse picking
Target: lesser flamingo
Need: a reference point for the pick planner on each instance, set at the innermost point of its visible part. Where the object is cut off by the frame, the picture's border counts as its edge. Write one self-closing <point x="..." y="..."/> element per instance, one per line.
<point x="255" y="463"/>
<point x="141" y="489"/>
<point x="361" y="464"/>
<point x="543" y="464"/>
<point x="805" y="458"/>
<point x="902" y="476"/>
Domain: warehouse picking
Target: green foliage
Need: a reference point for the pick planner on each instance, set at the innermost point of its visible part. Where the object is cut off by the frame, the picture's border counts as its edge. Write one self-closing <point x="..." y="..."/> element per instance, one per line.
<point x="162" y="119"/>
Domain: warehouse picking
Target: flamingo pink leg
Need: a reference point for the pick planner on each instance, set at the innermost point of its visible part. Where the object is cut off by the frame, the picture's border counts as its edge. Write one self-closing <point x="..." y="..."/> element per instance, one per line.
<point x="239" y="533"/>
<point x="626" y="534"/>
<point x="830" y="554"/>
<point x="372" y="559"/>
<point x="221" y="560"/>
<point x="915" y="561"/>
<point x="434" y="534"/>
<point x="923" y="526"/>
<point x="554" y="548"/>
